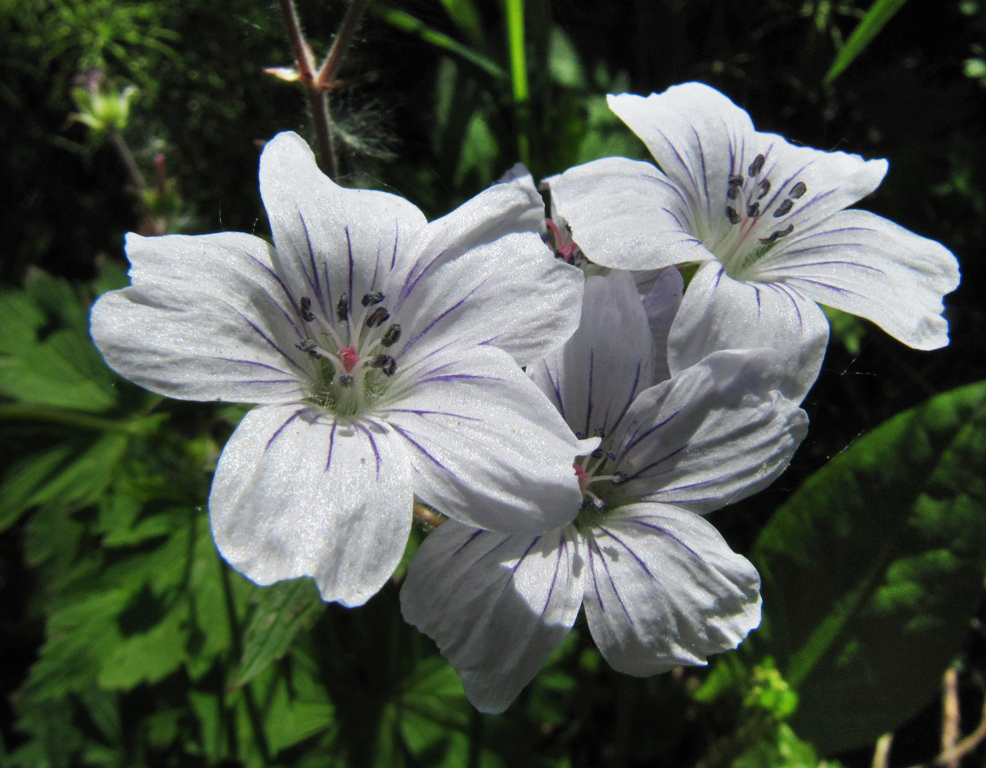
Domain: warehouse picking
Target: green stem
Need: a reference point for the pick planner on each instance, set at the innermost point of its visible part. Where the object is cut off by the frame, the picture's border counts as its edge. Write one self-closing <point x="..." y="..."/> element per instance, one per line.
<point x="18" y="412"/>
<point x="518" y="76"/>
<point x="318" y="99"/>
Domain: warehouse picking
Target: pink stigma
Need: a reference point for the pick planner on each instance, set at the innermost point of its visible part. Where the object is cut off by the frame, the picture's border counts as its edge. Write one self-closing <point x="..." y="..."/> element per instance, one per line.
<point x="563" y="246"/>
<point x="349" y="358"/>
<point x="580" y="472"/>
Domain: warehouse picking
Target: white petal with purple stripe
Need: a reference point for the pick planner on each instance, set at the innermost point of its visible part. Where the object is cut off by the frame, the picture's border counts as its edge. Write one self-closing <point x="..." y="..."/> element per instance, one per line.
<point x="297" y="493"/>
<point x="663" y="588"/>
<point x="496" y="605"/>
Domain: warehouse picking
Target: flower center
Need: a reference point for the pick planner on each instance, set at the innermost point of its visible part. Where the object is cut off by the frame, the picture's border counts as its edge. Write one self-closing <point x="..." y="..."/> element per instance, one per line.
<point x="352" y="367"/>
<point x="756" y="213"/>
<point x="595" y="468"/>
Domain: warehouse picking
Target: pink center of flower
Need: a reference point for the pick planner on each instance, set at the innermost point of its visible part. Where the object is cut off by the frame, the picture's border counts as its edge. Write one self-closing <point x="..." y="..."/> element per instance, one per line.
<point x="580" y="472"/>
<point x="349" y="358"/>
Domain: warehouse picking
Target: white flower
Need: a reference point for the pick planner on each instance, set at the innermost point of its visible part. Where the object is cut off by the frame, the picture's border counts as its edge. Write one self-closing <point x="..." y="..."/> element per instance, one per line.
<point x="659" y="584"/>
<point x="765" y="220"/>
<point x="382" y="352"/>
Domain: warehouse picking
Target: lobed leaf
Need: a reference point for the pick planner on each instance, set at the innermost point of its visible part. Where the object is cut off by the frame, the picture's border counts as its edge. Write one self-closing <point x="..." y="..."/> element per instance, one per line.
<point x="873" y="568"/>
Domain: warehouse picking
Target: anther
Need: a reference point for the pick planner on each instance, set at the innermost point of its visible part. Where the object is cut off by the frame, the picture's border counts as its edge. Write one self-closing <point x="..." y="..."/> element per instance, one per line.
<point x="374" y="297"/>
<point x="798" y="190"/>
<point x="342" y="308"/>
<point x="753" y="210"/>
<point x="618" y="478"/>
<point x="757" y="165"/>
<point x="783" y="208"/>
<point x="764" y="189"/>
<point x="391" y="335"/>
<point x="306" y="309"/>
<point x="736" y="180"/>
<point x="385" y="363"/>
<point x="732" y="215"/>
<point x="775" y="236"/>
<point x="308" y="345"/>
<point x="346" y="380"/>
<point x="379" y="316"/>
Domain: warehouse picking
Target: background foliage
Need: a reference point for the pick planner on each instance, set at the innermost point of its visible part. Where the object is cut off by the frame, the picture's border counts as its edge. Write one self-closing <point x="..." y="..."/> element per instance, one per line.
<point x="127" y="641"/>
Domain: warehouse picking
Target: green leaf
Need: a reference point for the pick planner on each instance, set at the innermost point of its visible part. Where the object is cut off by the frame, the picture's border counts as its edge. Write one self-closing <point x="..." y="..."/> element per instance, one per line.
<point x="879" y="14"/>
<point x="873" y="568"/>
<point x="281" y="612"/>
<point x="68" y="474"/>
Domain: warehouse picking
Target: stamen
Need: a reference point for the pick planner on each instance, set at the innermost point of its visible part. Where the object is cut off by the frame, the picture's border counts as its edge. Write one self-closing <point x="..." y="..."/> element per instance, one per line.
<point x="777" y="235"/>
<point x="385" y="363"/>
<point x="308" y="345"/>
<point x="731" y="214"/>
<point x="798" y="190"/>
<point x="735" y="185"/>
<point x="342" y="308"/>
<point x="379" y="316"/>
<point x="391" y="335"/>
<point x="757" y="165"/>
<point x="764" y="189"/>
<point x="753" y="210"/>
<point x="619" y="477"/>
<point x="783" y="208"/>
<point x="346" y="380"/>
<point x="306" y="309"/>
<point x="349" y="358"/>
<point x="374" y="297"/>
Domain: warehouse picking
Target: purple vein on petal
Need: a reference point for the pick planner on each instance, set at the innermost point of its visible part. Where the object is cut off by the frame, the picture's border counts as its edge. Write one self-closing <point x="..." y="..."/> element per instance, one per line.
<point x="280" y="429"/>
<point x="636" y="437"/>
<point x="289" y="300"/>
<point x="349" y="251"/>
<point x="644" y="470"/>
<point x="612" y="583"/>
<point x="438" y="319"/>
<point x="705" y="177"/>
<point x="630" y="398"/>
<point x="332" y="442"/>
<point x="664" y="532"/>
<point x="554" y="577"/>
<point x="421" y="449"/>
<point x="316" y="285"/>
<point x="423" y="413"/>
<point x="272" y="344"/>
<point x="397" y="236"/>
<point x="633" y="554"/>
<point x="258" y="365"/>
<point x="468" y="541"/>
<point x="373" y="444"/>
<point x="412" y="279"/>
<point x="555" y="389"/>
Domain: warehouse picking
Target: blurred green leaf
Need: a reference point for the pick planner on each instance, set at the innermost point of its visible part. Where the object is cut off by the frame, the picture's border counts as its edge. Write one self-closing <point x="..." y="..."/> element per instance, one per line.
<point x="873" y="568"/>
<point x="405" y="22"/>
<point x="281" y="612"/>
<point x="879" y="14"/>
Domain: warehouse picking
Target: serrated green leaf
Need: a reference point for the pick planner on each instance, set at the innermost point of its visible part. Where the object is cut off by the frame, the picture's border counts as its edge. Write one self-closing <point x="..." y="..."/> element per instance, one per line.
<point x="64" y="371"/>
<point x="873" y="568"/>
<point x="869" y="26"/>
<point x="282" y="610"/>
<point x="68" y="474"/>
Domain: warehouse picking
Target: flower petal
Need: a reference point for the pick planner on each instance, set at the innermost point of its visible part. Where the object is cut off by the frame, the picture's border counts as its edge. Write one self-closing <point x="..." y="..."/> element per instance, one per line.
<point x="496" y="605"/>
<point x="488" y="448"/>
<point x="206" y="318"/>
<point x="663" y="589"/>
<point x="866" y="265"/>
<point x="593" y="379"/>
<point x="297" y="493"/>
<point x="330" y="240"/>
<point x="483" y="274"/>
<point x="701" y="140"/>
<point x="715" y="433"/>
<point x="661" y="305"/>
<point x="626" y="214"/>
<point x="721" y="313"/>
